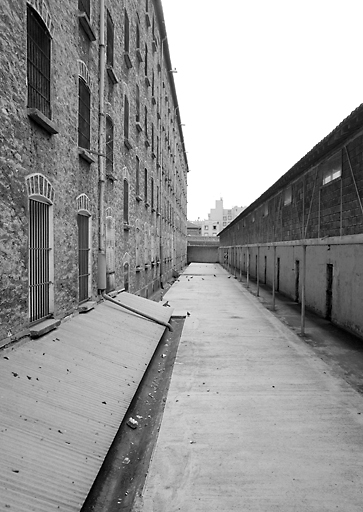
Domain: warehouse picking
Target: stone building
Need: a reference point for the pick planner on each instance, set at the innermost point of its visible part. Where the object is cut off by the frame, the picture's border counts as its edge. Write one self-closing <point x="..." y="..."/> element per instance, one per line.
<point x="303" y="236"/>
<point x="93" y="169"/>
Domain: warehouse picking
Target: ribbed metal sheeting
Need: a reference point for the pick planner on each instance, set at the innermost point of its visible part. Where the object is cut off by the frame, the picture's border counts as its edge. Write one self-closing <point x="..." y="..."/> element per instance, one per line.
<point x="63" y="398"/>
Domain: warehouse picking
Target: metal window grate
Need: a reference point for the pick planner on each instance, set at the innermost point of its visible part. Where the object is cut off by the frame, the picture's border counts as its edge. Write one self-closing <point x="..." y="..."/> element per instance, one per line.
<point x="38" y="63"/>
<point x="84" y="6"/>
<point x="137" y="103"/>
<point x="83" y="256"/>
<point x="84" y="115"/>
<point x="38" y="260"/>
<point x="145" y="186"/>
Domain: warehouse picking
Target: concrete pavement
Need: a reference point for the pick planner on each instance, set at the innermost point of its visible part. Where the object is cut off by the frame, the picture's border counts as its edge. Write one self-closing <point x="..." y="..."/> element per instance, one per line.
<point x="254" y="420"/>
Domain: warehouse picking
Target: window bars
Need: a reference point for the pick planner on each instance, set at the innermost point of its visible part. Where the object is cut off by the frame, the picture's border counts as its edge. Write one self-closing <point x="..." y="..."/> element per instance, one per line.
<point x="84" y="115"/>
<point x="38" y="63"/>
<point x="83" y="257"/>
<point x="39" y="249"/>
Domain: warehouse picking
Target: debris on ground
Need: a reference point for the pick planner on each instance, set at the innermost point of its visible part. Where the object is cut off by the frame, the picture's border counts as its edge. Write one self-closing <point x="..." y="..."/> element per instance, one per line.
<point x="132" y="423"/>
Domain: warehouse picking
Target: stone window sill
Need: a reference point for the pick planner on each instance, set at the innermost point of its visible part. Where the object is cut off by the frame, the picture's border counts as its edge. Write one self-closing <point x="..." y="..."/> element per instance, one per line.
<point x="38" y="117"/>
<point x="127" y="60"/>
<point x="112" y="75"/>
<point x="86" y="25"/>
<point x="43" y="327"/>
<point x="86" y="155"/>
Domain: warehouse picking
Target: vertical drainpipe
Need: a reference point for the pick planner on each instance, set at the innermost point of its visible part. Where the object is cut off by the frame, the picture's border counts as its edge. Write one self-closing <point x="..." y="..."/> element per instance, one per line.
<point x="303" y="287"/>
<point x="101" y="156"/>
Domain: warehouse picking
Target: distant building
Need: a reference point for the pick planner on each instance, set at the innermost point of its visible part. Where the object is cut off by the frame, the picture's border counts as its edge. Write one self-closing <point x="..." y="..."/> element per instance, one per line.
<point x="218" y="219"/>
<point x="193" y="229"/>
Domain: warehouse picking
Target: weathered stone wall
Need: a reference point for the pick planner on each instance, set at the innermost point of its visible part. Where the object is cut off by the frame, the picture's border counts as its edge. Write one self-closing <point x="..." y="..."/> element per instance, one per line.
<point x="27" y="148"/>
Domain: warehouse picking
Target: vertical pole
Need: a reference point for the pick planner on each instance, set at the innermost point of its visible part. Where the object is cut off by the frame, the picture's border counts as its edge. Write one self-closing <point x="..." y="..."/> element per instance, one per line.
<point x="240" y="263"/>
<point x="303" y="290"/>
<point x="248" y="267"/>
<point x="273" y="280"/>
<point x="258" y="271"/>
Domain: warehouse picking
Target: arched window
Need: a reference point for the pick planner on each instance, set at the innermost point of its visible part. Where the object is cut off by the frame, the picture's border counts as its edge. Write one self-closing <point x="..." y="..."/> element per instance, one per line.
<point x="126" y="201"/>
<point x="84" y="106"/>
<point x="84" y="247"/>
<point x="41" y="259"/>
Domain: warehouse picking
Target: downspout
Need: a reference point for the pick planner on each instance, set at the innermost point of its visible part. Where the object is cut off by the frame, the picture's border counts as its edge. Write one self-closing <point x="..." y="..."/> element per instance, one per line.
<point x="101" y="155"/>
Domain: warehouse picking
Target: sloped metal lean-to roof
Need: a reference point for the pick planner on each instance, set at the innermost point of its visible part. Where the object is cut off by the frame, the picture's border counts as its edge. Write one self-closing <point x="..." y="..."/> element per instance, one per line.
<point x="63" y="397"/>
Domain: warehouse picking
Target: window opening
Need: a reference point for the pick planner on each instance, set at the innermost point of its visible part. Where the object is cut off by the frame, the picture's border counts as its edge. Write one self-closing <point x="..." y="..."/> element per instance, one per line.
<point x="110" y="251"/>
<point x="126" y="201"/>
<point x="137" y="177"/>
<point x="83" y="256"/>
<point x="110" y="41"/>
<point x="38" y="63"/>
<point x="145" y="186"/>
<point x="39" y="251"/>
<point x="126" y="118"/>
<point x="84" y="115"/>
<point x="84" y="6"/>
<point x="332" y="169"/>
<point x="126" y="33"/>
<point x="109" y="146"/>
<point x="137" y="103"/>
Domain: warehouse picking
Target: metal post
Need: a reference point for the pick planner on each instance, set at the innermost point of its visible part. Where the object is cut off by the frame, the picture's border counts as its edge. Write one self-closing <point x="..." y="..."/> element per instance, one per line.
<point x="273" y="279"/>
<point x="248" y="267"/>
<point x="258" y="271"/>
<point x="303" y="290"/>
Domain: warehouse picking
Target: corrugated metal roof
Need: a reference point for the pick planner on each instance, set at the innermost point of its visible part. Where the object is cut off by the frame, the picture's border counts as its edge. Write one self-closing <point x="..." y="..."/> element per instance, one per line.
<point x="63" y="398"/>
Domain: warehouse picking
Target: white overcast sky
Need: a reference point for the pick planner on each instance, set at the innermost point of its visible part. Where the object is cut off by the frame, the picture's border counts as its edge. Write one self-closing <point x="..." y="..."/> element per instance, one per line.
<point x="259" y="83"/>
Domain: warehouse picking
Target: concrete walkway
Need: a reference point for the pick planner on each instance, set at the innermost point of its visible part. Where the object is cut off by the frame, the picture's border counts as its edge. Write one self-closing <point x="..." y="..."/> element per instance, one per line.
<point x="254" y="420"/>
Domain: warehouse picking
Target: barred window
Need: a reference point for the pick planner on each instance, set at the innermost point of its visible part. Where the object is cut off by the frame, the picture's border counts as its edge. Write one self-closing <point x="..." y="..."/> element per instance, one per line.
<point x="145" y="125"/>
<point x="137" y="35"/>
<point x="84" y="6"/>
<point x="137" y="103"/>
<point x="109" y="146"/>
<point x="126" y="201"/>
<point x="84" y="115"/>
<point x="126" y="118"/>
<point x="38" y="63"/>
<point x="110" y="41"/>
<point x="152" y="192"/>
<point x="145" y="186"/>
<point x="126" y="32"/>
<point x="146" y="66"/>
<point x="137" y="177"/>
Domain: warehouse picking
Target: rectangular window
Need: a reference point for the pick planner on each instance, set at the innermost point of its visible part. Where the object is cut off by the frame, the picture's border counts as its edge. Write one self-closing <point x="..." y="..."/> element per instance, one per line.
<point x="84" y="115"/>
<point x="145" y="124"/>
<point x="137" y="103"/>
<point x="84" y="6"/>
<point x="126" y="118"/>
<point x="145" y="186"/>
<point x="152" y="193"/>
<point x="83" y="256"/>
<point x="39" y="249"/>
<point x="332" y="168"/>
<point x="126" y="202"/>
<point x="137" y="178"/>
<point x="138" y="44"/>
<point x="288" y="196"/>
<point x="38" y="63"/>
<point x="110" y="41"/>
<point x="109" y="146"/>
<point x="126" y="33"/>
<point x="146" y="58"/>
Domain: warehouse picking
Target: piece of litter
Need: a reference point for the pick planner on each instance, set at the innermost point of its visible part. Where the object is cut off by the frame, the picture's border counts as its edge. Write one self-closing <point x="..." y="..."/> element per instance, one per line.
<point x="132" y="423"/>
<point x="163" y="355"/>
<point x="126" y="460"/>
